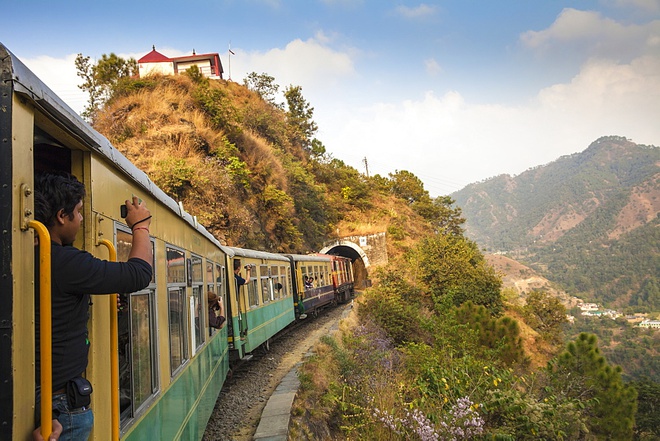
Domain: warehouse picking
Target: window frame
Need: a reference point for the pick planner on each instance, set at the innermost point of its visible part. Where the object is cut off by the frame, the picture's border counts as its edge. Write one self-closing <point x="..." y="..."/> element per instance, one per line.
<point x="178" y="286"/>
<point x="133" y="411"/>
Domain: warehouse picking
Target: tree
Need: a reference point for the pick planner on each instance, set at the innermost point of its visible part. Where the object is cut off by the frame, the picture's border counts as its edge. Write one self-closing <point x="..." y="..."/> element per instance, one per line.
<point x="410" y="188"/>
<point x="546" y="314"/>
<point x="647" y="421"/>
<point x="101" y="80"/>
<point x="318" y="149"/>
<point x="580" y="372"/>
<point x="299" y="117"/>
<point x="453" y="266"/>
<point x="501" y="334"/>
<point x="264" y="85"/>
<point x="407" y="186"/>
<point x="449" y="219"/>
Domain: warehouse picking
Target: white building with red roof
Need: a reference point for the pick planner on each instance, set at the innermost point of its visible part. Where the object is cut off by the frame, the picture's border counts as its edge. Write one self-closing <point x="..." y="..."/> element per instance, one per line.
<point x="156" y="63"/>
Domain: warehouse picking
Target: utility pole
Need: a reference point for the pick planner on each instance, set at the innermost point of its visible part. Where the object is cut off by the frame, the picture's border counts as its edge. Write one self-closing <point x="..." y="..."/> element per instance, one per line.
<point x="229" y="58"/>
<point x="366" y="165"/>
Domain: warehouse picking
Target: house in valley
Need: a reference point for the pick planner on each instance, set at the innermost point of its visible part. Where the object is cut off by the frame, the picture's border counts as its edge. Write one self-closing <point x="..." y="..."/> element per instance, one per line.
<point x="156" y="63"/>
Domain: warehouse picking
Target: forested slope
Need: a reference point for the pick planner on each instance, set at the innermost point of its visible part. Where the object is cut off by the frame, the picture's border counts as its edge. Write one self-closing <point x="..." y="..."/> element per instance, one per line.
<point x="588" y="221"/>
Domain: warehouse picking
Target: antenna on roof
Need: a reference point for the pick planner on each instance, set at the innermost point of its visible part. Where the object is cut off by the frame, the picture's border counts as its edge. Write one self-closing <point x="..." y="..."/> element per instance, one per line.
<point x="193" y="51"/>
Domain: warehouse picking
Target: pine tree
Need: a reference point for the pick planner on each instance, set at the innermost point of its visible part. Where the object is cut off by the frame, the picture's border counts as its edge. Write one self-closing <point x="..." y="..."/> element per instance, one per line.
<point x="580" y="372"/>
<point x="502" y="334"/>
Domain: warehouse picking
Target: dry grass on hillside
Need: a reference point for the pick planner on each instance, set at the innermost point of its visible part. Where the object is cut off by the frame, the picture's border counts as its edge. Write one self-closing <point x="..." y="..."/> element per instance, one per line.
<point x="538" y="350"/>
<point x="524" y="279"/>
<point x="388" y="214"/>
<point x="265" y="165"/>
<point x="164" y="134"/>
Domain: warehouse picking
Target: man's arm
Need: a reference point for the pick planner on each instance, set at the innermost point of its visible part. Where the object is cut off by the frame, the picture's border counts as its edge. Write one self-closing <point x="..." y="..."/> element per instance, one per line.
<point x="139" y="219"/>
<point x="221" y="313"/>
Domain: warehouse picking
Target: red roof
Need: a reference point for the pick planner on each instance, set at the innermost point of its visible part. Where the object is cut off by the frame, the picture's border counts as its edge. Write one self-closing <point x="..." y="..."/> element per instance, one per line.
<point x="154" y="57"/>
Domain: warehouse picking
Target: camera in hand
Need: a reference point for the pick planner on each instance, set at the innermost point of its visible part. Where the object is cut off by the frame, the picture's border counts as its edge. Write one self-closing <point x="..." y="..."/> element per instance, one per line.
<point x="124" y="211"/>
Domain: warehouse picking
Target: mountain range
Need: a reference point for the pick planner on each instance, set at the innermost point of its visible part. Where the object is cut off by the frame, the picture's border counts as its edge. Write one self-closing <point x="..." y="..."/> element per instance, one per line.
<point x="588" y="221"/>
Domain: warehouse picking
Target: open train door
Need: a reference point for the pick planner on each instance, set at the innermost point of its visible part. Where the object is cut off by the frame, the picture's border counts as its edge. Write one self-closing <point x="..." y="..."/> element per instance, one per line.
<point x="237" y="315"/>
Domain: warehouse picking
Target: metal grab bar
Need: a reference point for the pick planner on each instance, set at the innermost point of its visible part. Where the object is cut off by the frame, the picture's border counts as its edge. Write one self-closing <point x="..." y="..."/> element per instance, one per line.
<point x="114" y="349"/>
<point x="45" y="328"/>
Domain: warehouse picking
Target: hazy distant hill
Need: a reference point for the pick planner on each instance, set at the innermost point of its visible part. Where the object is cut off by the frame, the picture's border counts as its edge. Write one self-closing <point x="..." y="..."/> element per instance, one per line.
<point x="588" y="221"/>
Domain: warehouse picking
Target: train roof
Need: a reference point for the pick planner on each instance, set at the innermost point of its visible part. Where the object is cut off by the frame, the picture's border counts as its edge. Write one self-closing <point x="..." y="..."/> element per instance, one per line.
<point x="253" y="254"/>
<point x="27" y="84"/>
<point x="308" y="257"/>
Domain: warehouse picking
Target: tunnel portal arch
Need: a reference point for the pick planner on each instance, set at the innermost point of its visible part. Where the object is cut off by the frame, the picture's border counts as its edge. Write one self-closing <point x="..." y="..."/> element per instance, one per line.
<point x="347" y="249"/>
<point x="357" y="256"/>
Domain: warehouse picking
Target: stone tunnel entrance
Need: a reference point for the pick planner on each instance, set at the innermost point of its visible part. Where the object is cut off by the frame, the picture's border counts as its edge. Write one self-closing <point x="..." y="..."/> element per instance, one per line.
<point x="362" y="250"/>
<point x="360" y="275"/>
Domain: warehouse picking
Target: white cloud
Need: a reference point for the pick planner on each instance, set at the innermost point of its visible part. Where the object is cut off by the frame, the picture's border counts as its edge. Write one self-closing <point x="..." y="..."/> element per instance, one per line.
<point x="421" y="11"/>
<point x="311" y="64"/>
<point x="620" y="99"/>
<point x="60" y="75"/>
<point x="593" y="35"/>
<point x="449" y="142"/>
<point x="445" y="140"/>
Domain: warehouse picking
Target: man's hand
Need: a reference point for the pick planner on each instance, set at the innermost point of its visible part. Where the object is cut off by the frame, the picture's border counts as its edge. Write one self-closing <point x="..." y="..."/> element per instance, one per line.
<point x="55" y="434"/>
<point x="137" y="212"/>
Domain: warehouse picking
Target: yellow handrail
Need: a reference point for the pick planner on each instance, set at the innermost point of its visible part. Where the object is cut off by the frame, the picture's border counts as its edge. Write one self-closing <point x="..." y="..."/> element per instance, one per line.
<point x="114" y="350"/>
<point x="45" y="328"/>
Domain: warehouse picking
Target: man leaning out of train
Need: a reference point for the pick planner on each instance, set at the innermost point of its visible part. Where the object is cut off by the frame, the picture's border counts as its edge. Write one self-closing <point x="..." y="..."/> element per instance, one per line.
<point x="75" y="275"/>
<point x="216" y="311"/>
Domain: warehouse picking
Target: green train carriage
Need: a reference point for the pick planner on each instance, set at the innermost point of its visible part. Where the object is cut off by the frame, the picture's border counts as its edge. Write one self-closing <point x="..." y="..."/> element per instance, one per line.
<point x="264" y="306"/>
<point x="164" y="378"/>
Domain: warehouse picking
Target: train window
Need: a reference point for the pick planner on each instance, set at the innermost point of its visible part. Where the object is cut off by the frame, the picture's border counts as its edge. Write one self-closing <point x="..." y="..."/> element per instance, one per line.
<point x="196" y="269"/>
<point x="176" y="300"/>
<point x="210" y="277"/>
<point x="322" y="277"/>
<point x="176" y="266"/>
<point x="253" y="294"/>
<point x="284" y="281"/>
<point x="215" y="282"/>
<point x="138" y="366"/>
<point x="210" y="287"/>
<point x="221" y="285"/>
<point x="143" y="342"/>
<point x="266" y="288"/>
<point x="277" y="285"/>
<point x="197" y="303"/>
<point x="306" y="282"/>
<point x="176" y="296"/>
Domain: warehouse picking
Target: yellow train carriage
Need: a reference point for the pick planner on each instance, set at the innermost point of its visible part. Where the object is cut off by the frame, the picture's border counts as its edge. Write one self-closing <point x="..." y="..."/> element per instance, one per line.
<point x="159" y="375"/>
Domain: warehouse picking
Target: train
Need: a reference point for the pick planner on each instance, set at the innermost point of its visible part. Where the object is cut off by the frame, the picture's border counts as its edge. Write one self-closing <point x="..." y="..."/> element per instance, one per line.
<point x="155" y="365"/>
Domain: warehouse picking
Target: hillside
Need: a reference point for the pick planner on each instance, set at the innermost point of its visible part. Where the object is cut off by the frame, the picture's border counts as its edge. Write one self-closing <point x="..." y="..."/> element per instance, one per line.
<point x="251" y="171"/>
<point x="588" y="221"/>
<point x="523" y="280"/>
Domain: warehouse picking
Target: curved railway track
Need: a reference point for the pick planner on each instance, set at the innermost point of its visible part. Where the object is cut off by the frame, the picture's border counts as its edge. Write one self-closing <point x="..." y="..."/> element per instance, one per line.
<point x="238" y="409"/>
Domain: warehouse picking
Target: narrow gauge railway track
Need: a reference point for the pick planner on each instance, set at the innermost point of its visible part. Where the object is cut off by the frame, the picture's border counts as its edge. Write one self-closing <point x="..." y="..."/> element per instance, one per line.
<point x="244" y="395"/>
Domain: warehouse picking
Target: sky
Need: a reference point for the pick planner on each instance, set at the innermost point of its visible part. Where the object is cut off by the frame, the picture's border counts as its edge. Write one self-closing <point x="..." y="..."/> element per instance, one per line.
<point x="453" y="91"/>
